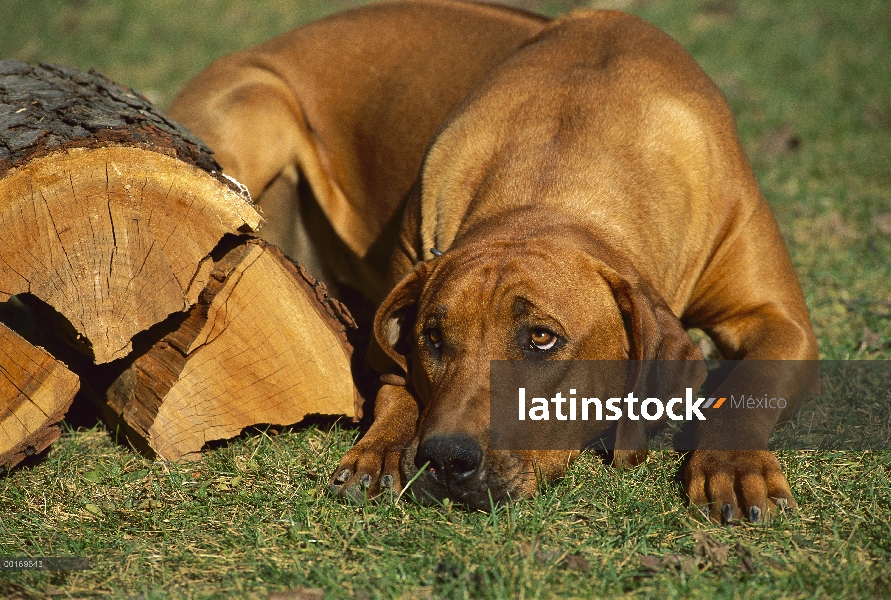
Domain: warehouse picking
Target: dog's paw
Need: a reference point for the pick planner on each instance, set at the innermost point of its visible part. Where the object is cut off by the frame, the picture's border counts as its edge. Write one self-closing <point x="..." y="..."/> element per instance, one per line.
<point x="366" y="471"/>
<point x="728" y="485"/>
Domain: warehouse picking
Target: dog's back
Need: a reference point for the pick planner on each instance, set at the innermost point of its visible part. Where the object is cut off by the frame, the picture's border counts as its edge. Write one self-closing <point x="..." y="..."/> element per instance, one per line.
<point x="350" y="102"/>
<point x="599" y="117"/>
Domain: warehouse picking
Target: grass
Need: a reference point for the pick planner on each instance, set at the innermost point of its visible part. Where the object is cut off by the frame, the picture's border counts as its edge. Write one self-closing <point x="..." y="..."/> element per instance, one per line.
<point x="810" y="84"/>
<point x="255" y="516"/>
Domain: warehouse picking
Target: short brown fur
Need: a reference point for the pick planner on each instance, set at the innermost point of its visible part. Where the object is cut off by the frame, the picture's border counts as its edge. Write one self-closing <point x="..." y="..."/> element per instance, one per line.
<point x="348" y="104"/>
<point x="597" y="176"/>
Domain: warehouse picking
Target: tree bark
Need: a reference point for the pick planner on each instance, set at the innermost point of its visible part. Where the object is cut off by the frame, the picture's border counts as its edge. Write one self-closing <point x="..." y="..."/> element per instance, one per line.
<point x="108" y="209"/>
<point x="119" y="230"/>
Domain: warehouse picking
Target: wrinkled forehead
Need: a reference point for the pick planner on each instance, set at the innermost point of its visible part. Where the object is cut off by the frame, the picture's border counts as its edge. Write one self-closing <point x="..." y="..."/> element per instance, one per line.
<point x="508" y="278"/>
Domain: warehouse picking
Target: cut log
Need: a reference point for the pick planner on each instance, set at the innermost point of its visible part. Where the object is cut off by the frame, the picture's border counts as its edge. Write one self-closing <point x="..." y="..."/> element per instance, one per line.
<point x="35" y="393"/>
<point x="119" y="233"/>
<point x="108" y="210"/>
<point x="264" y="345"/>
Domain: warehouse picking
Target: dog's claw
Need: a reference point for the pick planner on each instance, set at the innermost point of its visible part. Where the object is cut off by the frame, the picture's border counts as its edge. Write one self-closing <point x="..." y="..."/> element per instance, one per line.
<point x="365" y="473"/>
<point x="727" y="513"/>
<point x="754" y="514"/>
<point x="357" y="494"/>
<point x="734" y="483"/>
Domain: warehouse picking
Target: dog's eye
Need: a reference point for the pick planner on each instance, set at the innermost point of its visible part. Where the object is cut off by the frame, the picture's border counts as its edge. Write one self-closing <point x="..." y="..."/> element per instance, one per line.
<point x="434" y="337"/>
<point x="542" y="339"/>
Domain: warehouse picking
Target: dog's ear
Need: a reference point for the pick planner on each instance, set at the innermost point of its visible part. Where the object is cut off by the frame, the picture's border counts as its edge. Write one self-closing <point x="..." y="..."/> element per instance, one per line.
<point x="394" y="321"/>
<point x="654" y="332"/>
<point x="665" y="359"/>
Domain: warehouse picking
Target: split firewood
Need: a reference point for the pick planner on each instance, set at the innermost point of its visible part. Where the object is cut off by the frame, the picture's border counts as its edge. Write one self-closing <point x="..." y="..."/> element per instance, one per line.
<point x="35" y="393"/>
<point x="108" y="210"/>
<point x="264" y="345"/>
<point x="121" y="234"/>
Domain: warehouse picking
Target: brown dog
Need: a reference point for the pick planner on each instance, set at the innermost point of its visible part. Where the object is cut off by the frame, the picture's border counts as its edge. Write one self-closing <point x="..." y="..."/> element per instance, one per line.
<point x="348" y="105"/>
<point x="590" y="200"/>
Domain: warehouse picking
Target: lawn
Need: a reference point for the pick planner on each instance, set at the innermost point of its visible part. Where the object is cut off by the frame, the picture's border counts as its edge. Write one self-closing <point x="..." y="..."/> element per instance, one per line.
<point x="810" y="84"/>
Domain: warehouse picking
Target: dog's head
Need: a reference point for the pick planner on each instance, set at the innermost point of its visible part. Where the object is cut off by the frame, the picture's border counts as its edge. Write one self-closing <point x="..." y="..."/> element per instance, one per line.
<point x="533" y="299"/>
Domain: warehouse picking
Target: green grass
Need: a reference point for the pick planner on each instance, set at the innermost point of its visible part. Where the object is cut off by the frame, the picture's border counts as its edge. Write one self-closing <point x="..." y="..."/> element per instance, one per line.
<point x="254" y="516"/>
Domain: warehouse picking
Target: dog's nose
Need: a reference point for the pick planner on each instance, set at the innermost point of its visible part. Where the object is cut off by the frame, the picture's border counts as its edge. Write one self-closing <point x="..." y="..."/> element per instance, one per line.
<point x="450" y="459"/>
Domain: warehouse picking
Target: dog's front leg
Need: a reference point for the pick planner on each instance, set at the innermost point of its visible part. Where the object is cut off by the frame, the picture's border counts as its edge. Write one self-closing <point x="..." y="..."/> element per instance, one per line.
<point x="750" y="303"/>
<point x="372" y="465"/>
<point x="733" y="475"/>
<point x="732" y="484"/>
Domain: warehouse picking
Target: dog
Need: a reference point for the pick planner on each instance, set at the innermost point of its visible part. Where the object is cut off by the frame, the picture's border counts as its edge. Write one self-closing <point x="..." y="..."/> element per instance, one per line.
<point x="588" y="200"/>
<point x="327" y="125"/>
